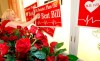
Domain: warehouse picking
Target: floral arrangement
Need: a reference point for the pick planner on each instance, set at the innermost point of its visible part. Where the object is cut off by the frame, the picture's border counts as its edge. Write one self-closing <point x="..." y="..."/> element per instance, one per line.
<point x="23" y="44"/>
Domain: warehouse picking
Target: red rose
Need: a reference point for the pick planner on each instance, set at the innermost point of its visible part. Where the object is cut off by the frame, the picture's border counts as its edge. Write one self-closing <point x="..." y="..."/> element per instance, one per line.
<point x="0" y="28"/>
<point x="9" y="30"/>
<point x="12" y="38"/>
<point x="42" y="43"/>
<point x="53" y="44"/>
<point x="33" y="29"/>
<point x="25" y="28"/>
<point x="2" y="32"/>
<point x="51" y="50"/>
<point x="45" y="41"/>
<point x="23" y="45"/>
<point x="1" y="58"/>
<point x="39" y="35"/>
<point x="61" y="57"/>
<point x="50" y="58"/>
<point x="3" y="49"/>
<point x="38" y="45"/>
<point x="26" y="32"/>
<point x="19" y="27"/>
<point x="22" y="32"/>
<point x="5" y="38"/>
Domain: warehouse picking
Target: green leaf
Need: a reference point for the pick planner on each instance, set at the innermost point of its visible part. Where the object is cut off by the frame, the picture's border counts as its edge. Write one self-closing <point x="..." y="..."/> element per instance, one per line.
<point x="17" y="33"/>
<point x="46" y="50"/>
<point x="72" y="57"/>
<point x="33" y="48"/>
<point x="1" y="41"/>
<point x="40" y="55"/>
<point x="32" y="53"/>
<point x="10" y="57"/>
<point x="11" y="43"/>
<point x="60" y="51"/>
<point x="59" y="45"/>
<point x="31" y="58"/>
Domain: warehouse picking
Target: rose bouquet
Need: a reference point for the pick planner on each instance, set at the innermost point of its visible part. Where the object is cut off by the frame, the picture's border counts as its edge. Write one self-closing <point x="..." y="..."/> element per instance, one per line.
<point x="23" y="44"/>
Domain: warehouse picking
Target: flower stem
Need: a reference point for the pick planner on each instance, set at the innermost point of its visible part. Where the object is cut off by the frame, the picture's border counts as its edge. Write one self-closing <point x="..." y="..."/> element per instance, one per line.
<point x="33" y="42"/>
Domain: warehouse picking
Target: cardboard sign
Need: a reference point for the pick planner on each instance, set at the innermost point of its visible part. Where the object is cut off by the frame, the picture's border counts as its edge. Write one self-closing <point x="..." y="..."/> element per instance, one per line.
<point x="48" y="30"/>
<point x="89" y="13"/>
<point x="29" y="13"/>
<point x="50" y="14"/>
